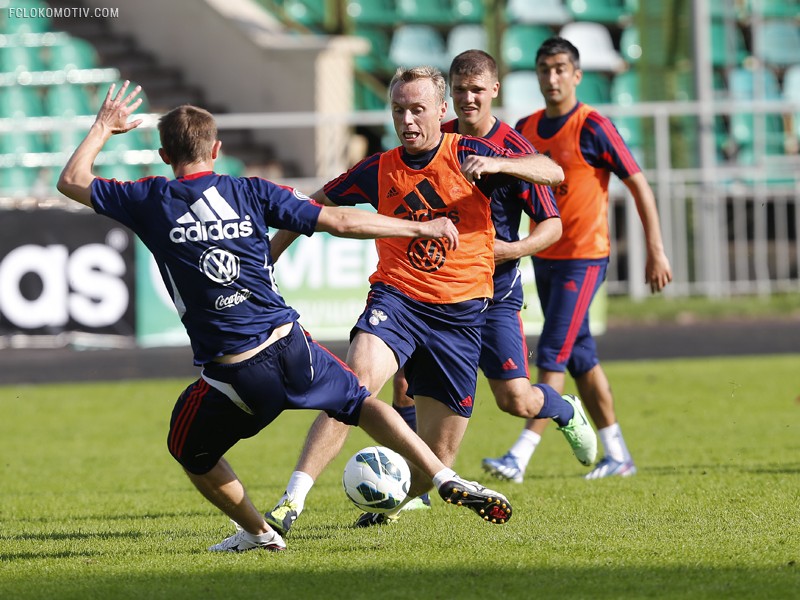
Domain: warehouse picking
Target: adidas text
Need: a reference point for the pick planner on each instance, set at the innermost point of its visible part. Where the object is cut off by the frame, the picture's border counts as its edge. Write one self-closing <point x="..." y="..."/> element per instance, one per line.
<point x="217" y="230"/>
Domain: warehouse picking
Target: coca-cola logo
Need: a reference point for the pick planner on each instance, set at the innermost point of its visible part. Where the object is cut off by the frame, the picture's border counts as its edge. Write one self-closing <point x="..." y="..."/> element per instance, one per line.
<point x="238" y="297"/>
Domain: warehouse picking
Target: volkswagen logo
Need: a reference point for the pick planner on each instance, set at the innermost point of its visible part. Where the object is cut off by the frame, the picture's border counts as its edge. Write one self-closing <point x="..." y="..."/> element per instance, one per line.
<point x="220" y="266"/>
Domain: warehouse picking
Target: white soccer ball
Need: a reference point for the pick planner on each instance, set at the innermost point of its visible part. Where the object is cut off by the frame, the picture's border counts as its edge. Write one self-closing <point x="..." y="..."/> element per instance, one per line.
<point x="376" y="479"/>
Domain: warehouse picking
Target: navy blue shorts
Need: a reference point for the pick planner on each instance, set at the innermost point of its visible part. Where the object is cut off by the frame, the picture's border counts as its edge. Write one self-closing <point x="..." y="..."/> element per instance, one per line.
<point x="438" y="344"/>
<point x="231" y="402"/>
<point x="504" y="351"/>
<point x="566" y="289"/>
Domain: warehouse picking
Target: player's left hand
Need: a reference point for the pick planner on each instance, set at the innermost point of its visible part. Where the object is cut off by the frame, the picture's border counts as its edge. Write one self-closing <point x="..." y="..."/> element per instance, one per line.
<point x="113" y="114"/>
<point x="658" y="272"/>
<point x="474" y="167"/>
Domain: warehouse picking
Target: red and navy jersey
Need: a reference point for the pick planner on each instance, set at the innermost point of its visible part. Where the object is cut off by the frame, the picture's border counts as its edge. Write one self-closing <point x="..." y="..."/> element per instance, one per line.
<point x="588" y="147"/>
<point x="508" y="195"/>
<point x="208" y="234"/>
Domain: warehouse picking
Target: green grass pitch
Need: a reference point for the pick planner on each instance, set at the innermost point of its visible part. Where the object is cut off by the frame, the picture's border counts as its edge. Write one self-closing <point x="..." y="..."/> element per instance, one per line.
<point x="92" y="505"/>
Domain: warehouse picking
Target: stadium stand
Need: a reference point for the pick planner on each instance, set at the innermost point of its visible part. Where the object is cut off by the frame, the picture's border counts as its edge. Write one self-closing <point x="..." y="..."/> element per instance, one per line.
<point x="418" y="45"/>
<point x="519" y="44"/>
<point x="602" y="11"/>
<point x="548" y="12"/>
<point x="595" y="44"/>
<point x="466" y="36"/>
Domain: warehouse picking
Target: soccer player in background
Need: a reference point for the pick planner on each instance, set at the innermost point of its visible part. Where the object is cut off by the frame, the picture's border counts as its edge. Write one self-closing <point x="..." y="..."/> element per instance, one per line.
<point x="504" y="351"/>
<point x="426" y="304"/>
<point x="569" y="272"/>
<point x="208" y="234"/>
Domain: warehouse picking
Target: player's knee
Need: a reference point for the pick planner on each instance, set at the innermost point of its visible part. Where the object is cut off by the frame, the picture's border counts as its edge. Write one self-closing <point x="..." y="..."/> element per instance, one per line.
<point x="515" y="402"/>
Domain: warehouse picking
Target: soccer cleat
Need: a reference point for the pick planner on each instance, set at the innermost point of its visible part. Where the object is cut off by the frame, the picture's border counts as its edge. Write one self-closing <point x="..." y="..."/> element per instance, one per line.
<point x="419" y="503"/>
<point x="369" y="519"/>
<point x="579" y="433"/>
<point x="491" y="506"/>
<point x="505" y="467"/>
<point x="282" y="517"/>
<point x="241" y="541"/>
<point x="608" y="467"/>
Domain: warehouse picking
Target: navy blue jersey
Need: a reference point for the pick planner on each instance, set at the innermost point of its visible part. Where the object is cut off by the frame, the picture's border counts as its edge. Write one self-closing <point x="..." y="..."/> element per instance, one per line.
<point x="509" y="195"/>
<point x="208" y="234"/>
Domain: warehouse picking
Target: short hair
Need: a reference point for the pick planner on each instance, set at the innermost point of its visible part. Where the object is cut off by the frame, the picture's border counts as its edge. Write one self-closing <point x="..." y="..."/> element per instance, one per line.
<point x="473" y="62"/>
<point x="559" y="45"/>
<point x="187" y="134"/>
<point x="403" y="75"/>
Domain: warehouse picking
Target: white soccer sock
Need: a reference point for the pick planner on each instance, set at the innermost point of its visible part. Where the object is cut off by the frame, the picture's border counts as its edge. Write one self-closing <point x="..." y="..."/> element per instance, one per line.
<point x="297" y="489"/>
<point x="613" y="443"/>
<point x="443" y="476"/>
<point x="525" y="446"/>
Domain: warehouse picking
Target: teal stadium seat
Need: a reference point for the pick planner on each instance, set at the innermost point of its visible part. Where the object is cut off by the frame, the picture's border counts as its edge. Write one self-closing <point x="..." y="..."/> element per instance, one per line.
<point x="519" y="44"/>
<point x="18" y="101"/>
<point x="468" y="11"/>
<point x="66" y="140"/>
<point x="372" y="12"/>
<point x="310" y="13"/>
<point x="775" y="9"/>
<point x="595" y="44"/>
<point x="119" y="171"/>
<point x="414" y="45"/>
<point x="520" y="94"/>
<point x="791" y="93"/>
<point x="21" y="142"/>
<point x="545" y="12"/>
<point x="625" y="88"/>
<point x="230" y="165"/>
<point x="777" y="43"/>
<point x="68" y="100"/>
<point x="368" y="98"/>
<point x="594" y="88"/>
<point x="727" y="44"/>
<point x="602" y="11"/>
<point x="376" y="60"/>
<point x="75" y="53"/>
<point x="32" y="23"/>
<point x="743" y="85"/>
<point x="629" y="45"/>
<point x="466" y="37"/>
<point x="428" y="12"/>
<point x="17" y="181"/>
<point x="20" y="59"/>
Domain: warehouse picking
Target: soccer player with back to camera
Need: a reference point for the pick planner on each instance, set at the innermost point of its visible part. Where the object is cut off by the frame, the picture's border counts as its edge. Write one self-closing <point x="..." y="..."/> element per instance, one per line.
<point x="569" y="272"/>
<point x="504" y="351"/>
<point x="426" y="304"/>
<point x="208" y="234"/>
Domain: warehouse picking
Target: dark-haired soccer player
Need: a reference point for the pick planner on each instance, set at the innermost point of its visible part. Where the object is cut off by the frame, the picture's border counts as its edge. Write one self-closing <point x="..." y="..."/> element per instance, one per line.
<point x="208" y="234"/>
<point x="569" y="272"/>
<point x="426" y="305"/>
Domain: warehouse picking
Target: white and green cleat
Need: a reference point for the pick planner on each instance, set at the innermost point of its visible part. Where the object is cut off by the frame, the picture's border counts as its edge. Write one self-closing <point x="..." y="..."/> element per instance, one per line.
<point x="579" y="433"/>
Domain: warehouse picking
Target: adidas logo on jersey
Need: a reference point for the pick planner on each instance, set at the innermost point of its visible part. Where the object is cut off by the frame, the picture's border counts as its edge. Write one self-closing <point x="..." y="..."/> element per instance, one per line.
<point x="210" y="218"/>
<point x="425" y="208"/>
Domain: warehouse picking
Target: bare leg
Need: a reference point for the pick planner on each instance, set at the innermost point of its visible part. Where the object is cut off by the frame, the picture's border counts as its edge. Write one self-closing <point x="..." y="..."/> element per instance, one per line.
<point x="223" y="489"/>
<point x="517" y="397"/>
<point x="595" y="391"/>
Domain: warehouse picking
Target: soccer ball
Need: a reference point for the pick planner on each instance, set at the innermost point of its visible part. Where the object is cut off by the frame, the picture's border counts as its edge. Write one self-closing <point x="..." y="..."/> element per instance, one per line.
<point x="376" y="479"/>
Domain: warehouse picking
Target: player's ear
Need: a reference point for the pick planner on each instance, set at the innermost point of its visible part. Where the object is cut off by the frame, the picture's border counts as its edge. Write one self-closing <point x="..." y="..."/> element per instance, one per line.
<point x="443" y="110"/>
<point x="215" y="149"/>
<point x="164" y="156"/>
<point x="495" y="89"/>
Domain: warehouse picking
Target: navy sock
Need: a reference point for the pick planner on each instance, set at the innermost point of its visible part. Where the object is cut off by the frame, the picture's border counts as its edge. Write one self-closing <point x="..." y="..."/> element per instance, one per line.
<point x="409" y="414"/>
<point x="554" y="407"/>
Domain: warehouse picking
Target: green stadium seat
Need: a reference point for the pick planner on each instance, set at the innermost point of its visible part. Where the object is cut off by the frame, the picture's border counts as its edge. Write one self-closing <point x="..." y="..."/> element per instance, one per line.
<point x="229" y="165"/>
<point x="727" y="44"/>
<point x="428" y="12"/>
<point x="777" y="43"/>
<point x="631" y="130"/>
<point x="68" y="100"/>
<point x="724" y="9"/>
<point x="376" y="60"/>
<point x="791" y="93"/>
<point x="549" y="12"/>
<point x="414" y="45"/>
<point x="76" y="53"/>
<point x="136" y="139"/>
<point x="774" y="9"/>
<point x="601" y="11"/>
<point x="19" y="101"/>
<point x="367" y="98"/>
<point x="21" y="142"/>
<point x="19" y="59"/>
<point x="119" y="171"/>
<point x="519" y="45"/>
<point x="466" y="37"/>
<point x="520" y="94"/>
<point x="372" y="12"/>
<point x="32" y="23"/>
<point x="17" y="181"/>
<point x="310" y="13"/>
<point x="468" y="11"/>
<point x="66" y="140"/>
<point x="625" y="88"/>
<point x="743" y="85"/>
<point x="629" y="44"/>
<point x="594" y="88"/>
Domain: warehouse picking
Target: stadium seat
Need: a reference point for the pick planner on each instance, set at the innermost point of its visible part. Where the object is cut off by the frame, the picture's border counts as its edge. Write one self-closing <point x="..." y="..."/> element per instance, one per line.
<point x="76" y="53"/>
<point x="520" y="94"/>
<point x="546" y="12"/>
<point x="629" y="45"/>
<point x="367" y="98"/>
<point x="791" y="93"/>
<point x="19" y="101"/>
<point x="631" y="130"/>
<point x="33" y="22"/>
<point x="17" y="181"/>
<point x="66" y="140"/>
<point x="18" y="59"/>
<point x="775" y="9"/>
<point x="594" y="88"/>
<point x="468" y="11"/>
<point x="595" y="45"/>
<point x="466" y="37"/>
<point x="18" y="141"/>
<point x="67" y="100"/>
<point x="310" y="13"/>
<point x="119" y="171"/>
<point x="519" y="44"/>
<point x="601" y="11"/>
<point x="372" y="12"/>
<point x="231" y="165"/>
<point x="777" y="43"/>
<point x="376" y="60"/>
<point x="727" y="44"/>
<point x="625" y="88"/>
<point x="414" y="45"/>
<point x="744" y="85"/>
<point x="136" y="139"/>
<point x="428" y="12"/>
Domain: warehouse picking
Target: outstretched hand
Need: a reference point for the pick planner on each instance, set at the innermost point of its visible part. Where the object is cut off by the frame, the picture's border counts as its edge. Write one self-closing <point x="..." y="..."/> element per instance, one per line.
<point x="442" y="228"/>
<point x="114" y="112"/>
